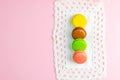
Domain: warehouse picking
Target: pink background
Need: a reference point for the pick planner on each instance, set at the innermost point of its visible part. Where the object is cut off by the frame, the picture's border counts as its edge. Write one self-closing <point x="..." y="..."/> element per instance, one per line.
<point x="26" y="50"/>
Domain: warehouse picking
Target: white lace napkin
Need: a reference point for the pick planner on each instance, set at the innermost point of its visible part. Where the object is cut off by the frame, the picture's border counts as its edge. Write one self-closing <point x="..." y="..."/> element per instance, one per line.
<point x="66" y="68"/>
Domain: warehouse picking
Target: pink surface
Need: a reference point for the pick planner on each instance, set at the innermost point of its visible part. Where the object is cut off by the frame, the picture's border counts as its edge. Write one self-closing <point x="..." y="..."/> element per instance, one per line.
<point x="26" y="51"/>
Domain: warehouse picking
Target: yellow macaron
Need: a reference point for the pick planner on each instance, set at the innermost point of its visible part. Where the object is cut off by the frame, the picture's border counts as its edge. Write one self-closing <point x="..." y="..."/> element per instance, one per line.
<point x="79" y="20"/>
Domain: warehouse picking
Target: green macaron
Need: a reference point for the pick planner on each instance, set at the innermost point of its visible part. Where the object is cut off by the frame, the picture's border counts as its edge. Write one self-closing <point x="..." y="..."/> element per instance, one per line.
<point x="79" y="44"/>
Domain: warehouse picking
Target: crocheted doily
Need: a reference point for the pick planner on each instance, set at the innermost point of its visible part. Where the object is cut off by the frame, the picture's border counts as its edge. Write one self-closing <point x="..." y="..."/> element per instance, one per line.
<point x="66" y="68"/>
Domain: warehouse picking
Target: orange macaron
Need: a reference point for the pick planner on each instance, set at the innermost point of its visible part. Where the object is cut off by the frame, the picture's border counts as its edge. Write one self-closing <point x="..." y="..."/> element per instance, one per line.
<point x="80" y="57"/>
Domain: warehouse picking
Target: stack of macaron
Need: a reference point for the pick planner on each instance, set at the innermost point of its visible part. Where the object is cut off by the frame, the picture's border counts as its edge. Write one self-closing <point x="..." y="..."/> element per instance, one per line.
<point x="79" y="44"/>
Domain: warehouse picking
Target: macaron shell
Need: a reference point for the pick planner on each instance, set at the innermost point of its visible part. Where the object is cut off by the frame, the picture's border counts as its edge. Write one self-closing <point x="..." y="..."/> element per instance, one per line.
<point x="80" y="57"/>
<point x="79" y="33"/>
<point x="79" y="20"/>
<point x="79" y="44"/>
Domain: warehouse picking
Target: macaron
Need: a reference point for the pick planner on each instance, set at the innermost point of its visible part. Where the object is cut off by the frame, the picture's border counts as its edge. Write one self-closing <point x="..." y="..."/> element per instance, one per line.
<point x="79" y="44"/>
<point x="79" y="33"/>
<point x="79" y="20"/>
<point x="80" y="57"/>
